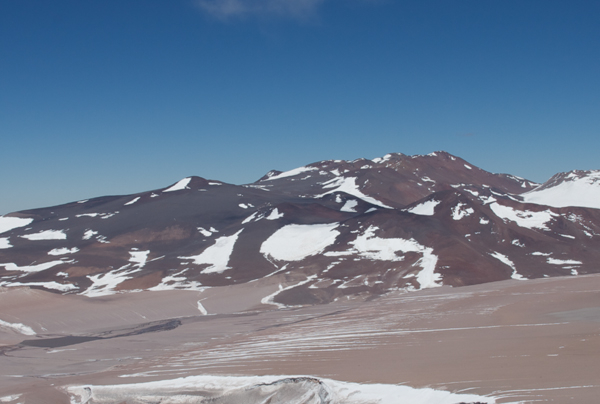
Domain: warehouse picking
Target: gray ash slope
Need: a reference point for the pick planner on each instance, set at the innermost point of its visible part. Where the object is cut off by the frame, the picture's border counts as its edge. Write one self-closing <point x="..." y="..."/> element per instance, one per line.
<point x="330" y="229"/>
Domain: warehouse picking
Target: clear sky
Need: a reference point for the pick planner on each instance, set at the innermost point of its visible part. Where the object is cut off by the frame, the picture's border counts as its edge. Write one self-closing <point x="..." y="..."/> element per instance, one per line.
<point x="101" y="97"/>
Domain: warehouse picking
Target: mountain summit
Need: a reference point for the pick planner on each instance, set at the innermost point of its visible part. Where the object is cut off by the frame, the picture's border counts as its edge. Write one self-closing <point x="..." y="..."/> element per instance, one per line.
<point x="323" y="231"/>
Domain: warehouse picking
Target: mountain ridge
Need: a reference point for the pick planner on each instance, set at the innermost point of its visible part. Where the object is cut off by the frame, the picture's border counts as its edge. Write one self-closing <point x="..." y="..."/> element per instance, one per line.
<point x="326" y="230"/>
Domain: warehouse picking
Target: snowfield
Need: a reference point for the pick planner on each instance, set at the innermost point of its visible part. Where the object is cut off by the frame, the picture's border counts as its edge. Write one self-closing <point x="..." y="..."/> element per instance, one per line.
<point x="295" y="242"/>
<point x="266" y="389"/>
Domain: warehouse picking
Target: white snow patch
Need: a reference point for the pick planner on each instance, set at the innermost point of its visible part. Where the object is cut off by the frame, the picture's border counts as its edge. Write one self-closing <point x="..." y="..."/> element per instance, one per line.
<point x="349" y="206"/>
<point x="178" y="282"/>
<point x="567" y="236"/>
<point x="4" y="243"/>
<point x="180" y="185"/>
<point x="134" y="200"/>
<point x="139" y="258"/>
<point x="505" y="260"/>
<point x="46" y="235"/>
<point x="524" y="218"/>
<point x="33" y="268"/>
<point x="8" y="399"/>
<point x="541" y="254"/>
<point x="66" y="287"/>
<point x="291" y="173"/>
<point x="105" y="284"/>
<point x="201" y="308"/>
<point x="270" y="298"/>
<point x="253" y="217"/>
<point x="468" y="167"/>
<point x="348" y="185"/>
<point x="89" y="234"/>
<point x="216" y="255"/>
<point x="295" y="242"/>
<point x="556" y="261"/>
<point x="205" y="233"/>
<point x="459" y="211"/>
<point x="426" y="208"/>
<point x="9" y="223"/>
<point x="18" y="327"/>
<point x="483" y="220"/>
<point x="384" y="249"/>
<point x="62" y="251"/>
<point x="243" y="206"/>
<point x="574" y="272"/>
<point x="274" y="215"/>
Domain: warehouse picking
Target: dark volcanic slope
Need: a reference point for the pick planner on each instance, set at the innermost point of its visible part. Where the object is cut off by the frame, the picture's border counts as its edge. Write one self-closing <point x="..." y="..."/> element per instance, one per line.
<point x="331" y="228"/>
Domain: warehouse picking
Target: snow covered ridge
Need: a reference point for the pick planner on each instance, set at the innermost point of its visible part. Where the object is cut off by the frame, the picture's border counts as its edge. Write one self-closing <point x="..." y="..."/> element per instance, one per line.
<point x="263" y="389"/>
<point x="575" y="188"/>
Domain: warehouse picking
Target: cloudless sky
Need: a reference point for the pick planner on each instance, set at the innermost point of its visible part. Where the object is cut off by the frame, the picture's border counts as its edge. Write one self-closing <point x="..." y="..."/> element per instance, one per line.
<point x="102" y="97"/>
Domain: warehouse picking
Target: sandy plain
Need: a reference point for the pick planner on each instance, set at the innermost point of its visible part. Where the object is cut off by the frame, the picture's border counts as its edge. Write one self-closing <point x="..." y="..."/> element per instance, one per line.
<point x="520" y="341"/>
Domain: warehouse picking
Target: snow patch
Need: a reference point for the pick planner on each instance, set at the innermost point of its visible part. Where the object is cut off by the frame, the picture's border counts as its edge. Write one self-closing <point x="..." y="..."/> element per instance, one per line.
<point x="348" y="185"/>
<point x="88" y="234"/>
<point x="384" y="249"/>
<point x="139" y="258"/>
<point x="524" y="218"/>
<point x="556" y="261"/>
<point x="505" y="260"/>
<point x="426" y="208"/>
<point x="274" y="215"/>
<point x="63" y="251"/>
<point x="34" y="268"/>
<point x="459" y="211"/>
<point x="291" y="173"/>
<point x="18" y="327"/>
<point x="295" y="242"/>
<point x="201" y="308"/>
<point x="4" y="243"/>
<point x="134" y="200"/>
<point x="9" y="223"/>
<point x="46" y="235"/>
<point x="61" y="287"/>
<point x="349" y="206"/>
<point x="217" y="255"/>
<point x="180" y="185"/>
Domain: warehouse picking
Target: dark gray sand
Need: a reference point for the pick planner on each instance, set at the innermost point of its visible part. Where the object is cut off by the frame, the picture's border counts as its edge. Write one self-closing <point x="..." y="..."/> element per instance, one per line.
<point x="530" y="341"/>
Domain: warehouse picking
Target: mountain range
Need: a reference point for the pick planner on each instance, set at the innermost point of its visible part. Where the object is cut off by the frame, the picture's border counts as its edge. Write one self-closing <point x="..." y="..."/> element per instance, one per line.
<point x="328" y="230"/>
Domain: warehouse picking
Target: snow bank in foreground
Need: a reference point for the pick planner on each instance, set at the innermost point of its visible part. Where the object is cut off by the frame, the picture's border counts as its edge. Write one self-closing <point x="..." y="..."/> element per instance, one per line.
<point x="18" y="327"/>
<point x="295" y="242"/>
<point x="9" y="223"/>
<point x="271" y="389"/>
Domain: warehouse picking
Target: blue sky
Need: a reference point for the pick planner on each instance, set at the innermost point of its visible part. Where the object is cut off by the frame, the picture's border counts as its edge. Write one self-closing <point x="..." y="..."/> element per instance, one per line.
<point x="116" y="96"/>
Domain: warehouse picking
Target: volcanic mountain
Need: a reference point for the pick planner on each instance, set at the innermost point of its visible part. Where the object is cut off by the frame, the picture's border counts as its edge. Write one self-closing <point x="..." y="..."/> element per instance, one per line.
<point x="326" y="230"/>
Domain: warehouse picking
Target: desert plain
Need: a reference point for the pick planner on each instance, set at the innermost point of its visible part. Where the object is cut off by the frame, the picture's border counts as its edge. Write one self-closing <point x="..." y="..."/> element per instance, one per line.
<point x="534" y="341"/>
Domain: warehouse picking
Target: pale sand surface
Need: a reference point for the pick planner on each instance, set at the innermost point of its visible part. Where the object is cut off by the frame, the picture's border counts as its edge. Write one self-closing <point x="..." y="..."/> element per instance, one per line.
<point x="530" y="341"/>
